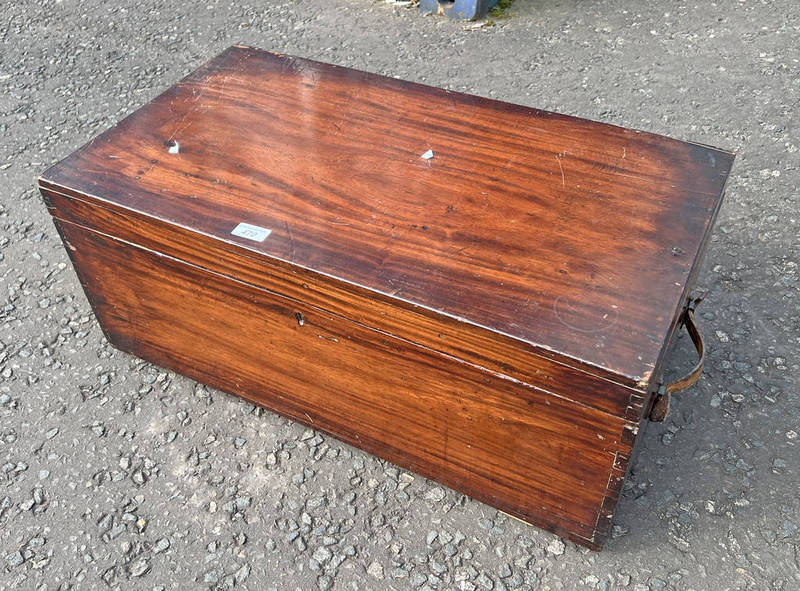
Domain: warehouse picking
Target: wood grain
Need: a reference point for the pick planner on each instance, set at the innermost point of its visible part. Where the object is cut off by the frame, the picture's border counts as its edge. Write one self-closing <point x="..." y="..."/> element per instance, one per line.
<point x="520" y="449"/>
<point x="471" y="344"/>
<point x="566" y="235"/>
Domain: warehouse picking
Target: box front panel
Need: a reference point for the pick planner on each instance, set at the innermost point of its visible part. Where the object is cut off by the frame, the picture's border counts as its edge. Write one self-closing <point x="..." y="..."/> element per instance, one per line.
<point x="450" y="336"/>
<point x="522" y="450"/>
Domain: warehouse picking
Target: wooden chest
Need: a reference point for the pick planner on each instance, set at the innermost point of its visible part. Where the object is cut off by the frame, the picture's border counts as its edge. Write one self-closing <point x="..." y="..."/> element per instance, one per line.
<point x="479" y="292"/>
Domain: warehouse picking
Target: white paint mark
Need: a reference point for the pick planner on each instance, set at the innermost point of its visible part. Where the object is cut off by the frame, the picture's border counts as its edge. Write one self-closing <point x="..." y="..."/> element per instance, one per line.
<point x="427" y="155"/>
<point x="175" y="147"/>
<point x="251" y="232"/>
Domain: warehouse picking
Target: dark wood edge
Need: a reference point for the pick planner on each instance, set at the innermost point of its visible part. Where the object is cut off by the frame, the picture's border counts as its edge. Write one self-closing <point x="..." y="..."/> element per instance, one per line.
<point x="658" y="372"/>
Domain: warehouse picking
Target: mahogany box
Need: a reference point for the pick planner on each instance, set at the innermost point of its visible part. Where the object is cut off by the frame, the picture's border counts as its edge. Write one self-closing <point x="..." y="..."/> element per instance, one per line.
<point x="480" y="292"/>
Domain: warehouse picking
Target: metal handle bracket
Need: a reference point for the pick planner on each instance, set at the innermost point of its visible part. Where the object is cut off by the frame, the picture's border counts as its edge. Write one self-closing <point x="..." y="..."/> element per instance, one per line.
<point x="660" y="408"/>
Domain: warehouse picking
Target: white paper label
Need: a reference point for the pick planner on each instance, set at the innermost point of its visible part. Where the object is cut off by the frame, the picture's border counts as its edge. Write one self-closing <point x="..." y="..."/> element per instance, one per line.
<point x="251" y="232"/>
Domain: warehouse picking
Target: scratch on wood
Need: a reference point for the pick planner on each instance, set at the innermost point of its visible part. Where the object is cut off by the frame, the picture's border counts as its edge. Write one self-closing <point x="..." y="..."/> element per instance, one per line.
<point x="291" y="239"/>
<point x="561" y="168"/>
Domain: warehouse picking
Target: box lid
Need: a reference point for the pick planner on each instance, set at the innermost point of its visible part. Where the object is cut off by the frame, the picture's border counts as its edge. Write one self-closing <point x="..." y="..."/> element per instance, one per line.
<point x="571" y="237"/>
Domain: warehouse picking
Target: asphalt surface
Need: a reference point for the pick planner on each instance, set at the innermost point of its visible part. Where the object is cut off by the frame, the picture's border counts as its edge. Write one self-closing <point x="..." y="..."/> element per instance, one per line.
<point x="117" y="474"/>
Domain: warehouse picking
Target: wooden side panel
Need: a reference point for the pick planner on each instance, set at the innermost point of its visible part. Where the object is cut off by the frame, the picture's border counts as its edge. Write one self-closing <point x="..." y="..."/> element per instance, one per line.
<point x="537" y="456"/>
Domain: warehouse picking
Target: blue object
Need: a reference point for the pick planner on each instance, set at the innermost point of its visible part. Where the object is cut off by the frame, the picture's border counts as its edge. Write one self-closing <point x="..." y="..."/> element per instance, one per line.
<point x="458" y="8"/>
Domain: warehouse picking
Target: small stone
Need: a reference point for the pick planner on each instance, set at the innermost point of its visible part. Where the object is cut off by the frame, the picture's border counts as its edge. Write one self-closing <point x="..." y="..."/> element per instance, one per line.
<point x="139" y="477"/>
<point x="485" y="582"/>
<point x="239" y="442"/>
<point x="437" y="567"/>
<point x="431" y="537"/>
<point x="435" y="494"/>
<point x="556" y="547"/>
<point x="322" y="555"/>
<point x="376" y="570"/>
<point x="241" y="574"/>
<point x="398" y="573"/>
<point x="418" y="579"/>
<point x="161" y="546"/>
<point x="36" y="542"/>
<point x="51" y="433"/>
<point x="788" y="529"/>
<point x="618" y="531"/>
<point x="44" y="474"/>
<point x="15" y="559"/>
<point x="140" y="567"/>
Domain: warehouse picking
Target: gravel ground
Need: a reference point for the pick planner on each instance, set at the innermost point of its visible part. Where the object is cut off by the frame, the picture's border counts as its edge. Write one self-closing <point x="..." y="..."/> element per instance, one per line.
<point x="115" y="473"/>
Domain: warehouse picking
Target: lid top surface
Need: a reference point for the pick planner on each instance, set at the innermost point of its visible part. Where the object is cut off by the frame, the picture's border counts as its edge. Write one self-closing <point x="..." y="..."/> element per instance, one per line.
<point x="571" y="235"/>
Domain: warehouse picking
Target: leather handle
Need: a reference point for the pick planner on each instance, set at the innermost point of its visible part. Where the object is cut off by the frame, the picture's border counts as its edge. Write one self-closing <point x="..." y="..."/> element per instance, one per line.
<point x="660" y="408"/>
